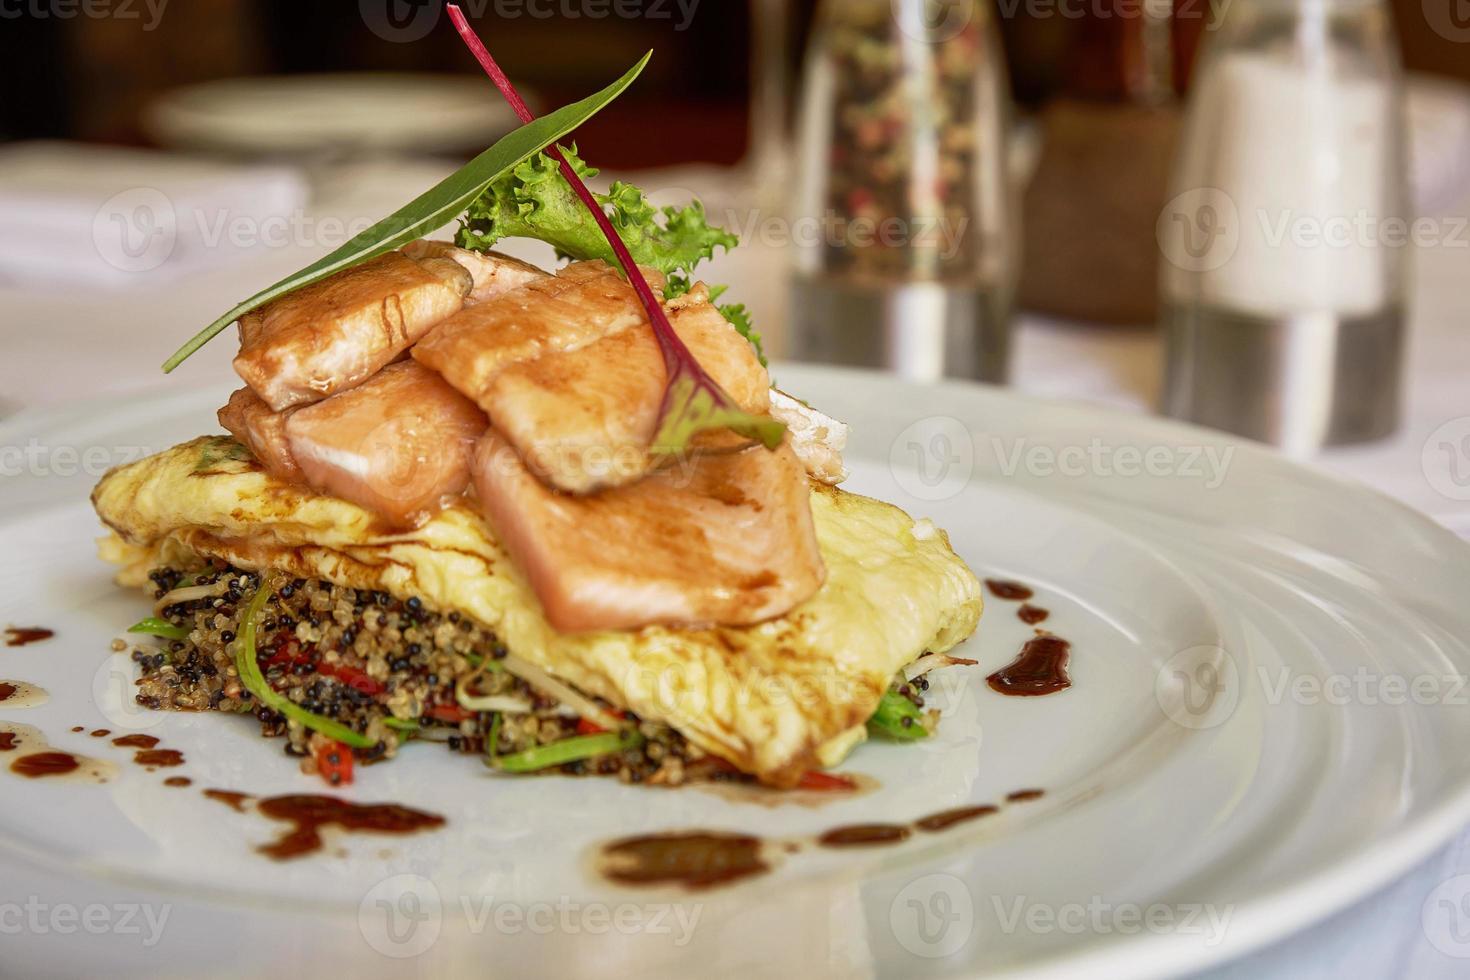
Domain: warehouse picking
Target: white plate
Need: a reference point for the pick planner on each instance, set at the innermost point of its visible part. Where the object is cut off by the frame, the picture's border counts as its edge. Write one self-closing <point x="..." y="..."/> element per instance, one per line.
<point x="1203" y="796"/>
<point x="294" y="114"/>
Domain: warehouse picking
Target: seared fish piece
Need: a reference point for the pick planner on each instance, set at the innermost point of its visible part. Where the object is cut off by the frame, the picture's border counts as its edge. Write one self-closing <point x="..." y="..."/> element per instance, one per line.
<point x="263" y="432"/>
<point x="335" y="334"/>
<point x="583" y="419"/>
<point x="399" y="444"/>
<point x="724" y="538"/>
<point x="582" y="303"/>
<point x="776" y="700"/>
<point x="492" y="272"/>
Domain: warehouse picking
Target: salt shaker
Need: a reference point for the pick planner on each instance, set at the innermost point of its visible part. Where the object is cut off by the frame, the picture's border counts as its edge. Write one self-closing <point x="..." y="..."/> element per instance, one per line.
<point x="1283" y="290"/>
<point x="904" y="226"/>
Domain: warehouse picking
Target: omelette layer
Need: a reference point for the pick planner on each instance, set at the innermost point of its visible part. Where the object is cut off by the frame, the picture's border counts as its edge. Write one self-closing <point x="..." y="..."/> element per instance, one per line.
<point x="776" y="700"/>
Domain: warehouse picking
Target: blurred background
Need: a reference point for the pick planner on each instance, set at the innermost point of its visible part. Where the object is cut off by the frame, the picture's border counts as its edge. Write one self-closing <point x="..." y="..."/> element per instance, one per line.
<point x="1107" y="200"/>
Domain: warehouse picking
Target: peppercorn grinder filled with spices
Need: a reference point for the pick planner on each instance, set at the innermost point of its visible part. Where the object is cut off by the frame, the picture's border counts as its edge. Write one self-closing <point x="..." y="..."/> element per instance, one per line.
<point x="905" y="224"/>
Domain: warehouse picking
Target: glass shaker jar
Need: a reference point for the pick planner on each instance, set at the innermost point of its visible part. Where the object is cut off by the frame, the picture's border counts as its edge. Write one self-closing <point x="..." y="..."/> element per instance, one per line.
<point x="1283" y="290"/>
<point x="904" y="226"/>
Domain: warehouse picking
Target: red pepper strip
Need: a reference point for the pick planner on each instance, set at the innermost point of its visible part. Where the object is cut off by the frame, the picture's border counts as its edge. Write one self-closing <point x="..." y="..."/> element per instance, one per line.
<point x="585" y="727"/>
<point x="451" y="713"/>
<point x="352" y="677"/>
<point x="826" y="782"/>
<point x="288" y="652"/>
<point x="334" y="763"/>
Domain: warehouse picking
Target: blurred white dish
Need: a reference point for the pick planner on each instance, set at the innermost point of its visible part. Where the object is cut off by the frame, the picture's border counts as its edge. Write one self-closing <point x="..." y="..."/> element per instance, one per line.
<point x="292" y="115"/>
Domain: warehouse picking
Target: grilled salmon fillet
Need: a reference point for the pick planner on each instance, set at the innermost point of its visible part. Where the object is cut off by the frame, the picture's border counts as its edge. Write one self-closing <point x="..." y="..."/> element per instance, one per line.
<point x="492" y="273"/>
<point x="399" y="444"/>
<point x="583" y="419"/>
<point x="263" y="432"/>
<point x="720" y="538"/>
<point x="580" y="304"/>
<point x="337" y="333"/>
<point x="776" y="699"/>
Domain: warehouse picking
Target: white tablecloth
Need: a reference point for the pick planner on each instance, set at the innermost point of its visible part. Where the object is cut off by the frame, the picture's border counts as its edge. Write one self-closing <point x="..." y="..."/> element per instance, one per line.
<point x="60" y="345"/>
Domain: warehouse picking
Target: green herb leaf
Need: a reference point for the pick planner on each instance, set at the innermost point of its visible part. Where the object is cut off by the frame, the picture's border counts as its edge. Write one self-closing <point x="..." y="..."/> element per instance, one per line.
<point x="535" y="201"/>
<point x="492" y="739"/>
<point x="430" y="210"/>
<point x="888" y="720"/>
<point x="221" y="449"/>
<point x="153" y="626"/>
<point x="739" y="318"/>
<point x="568" y="750"/>
<point x="255" y="682"/>
<point x="691" y="407"/>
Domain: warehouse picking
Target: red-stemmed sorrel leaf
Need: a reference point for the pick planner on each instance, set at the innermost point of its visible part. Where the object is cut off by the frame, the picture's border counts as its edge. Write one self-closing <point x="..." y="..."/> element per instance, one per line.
<point x="693" y="401"/>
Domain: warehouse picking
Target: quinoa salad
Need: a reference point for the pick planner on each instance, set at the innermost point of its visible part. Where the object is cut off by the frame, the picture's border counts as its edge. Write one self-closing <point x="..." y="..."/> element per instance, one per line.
<point x="387" y="670"/>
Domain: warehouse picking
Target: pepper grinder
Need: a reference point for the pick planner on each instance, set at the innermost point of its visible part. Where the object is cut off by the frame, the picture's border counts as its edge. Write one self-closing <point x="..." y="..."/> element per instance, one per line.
<point x="1283" y="290"/>
<point x="904" y="228"/>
